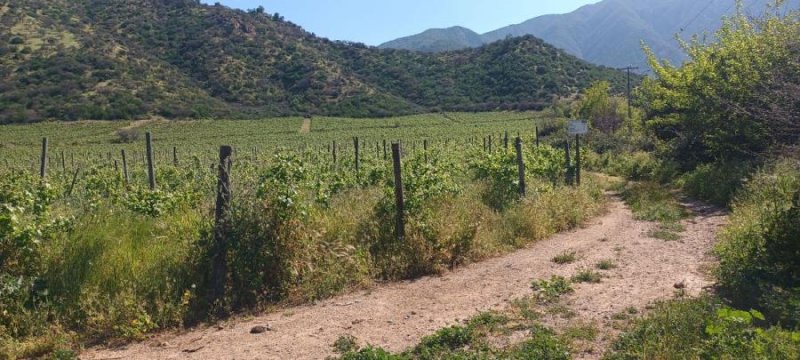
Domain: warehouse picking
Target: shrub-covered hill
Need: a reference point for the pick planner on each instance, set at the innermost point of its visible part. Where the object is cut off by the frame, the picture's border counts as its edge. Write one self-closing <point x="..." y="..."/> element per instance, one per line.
<point x="122" y="59"/>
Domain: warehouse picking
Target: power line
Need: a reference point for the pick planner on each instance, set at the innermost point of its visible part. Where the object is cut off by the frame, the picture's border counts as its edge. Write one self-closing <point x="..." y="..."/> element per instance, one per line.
<point x="683" y="28"/>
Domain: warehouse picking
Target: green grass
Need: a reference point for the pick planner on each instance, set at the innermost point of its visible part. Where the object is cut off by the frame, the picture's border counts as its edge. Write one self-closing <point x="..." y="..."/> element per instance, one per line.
<point x="567" y="257"/>
<point x="550" y="290"/>
<point x="473" y="341"/>
<point x="587" y="276"/>
<point x="119" y="262"/>
<point x="650" y="201"/>
<point x="606" y="265"/>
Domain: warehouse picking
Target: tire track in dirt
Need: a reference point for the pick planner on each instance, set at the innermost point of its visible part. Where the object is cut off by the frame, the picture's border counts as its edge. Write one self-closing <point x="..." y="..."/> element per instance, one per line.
<point x="396" y="316"/>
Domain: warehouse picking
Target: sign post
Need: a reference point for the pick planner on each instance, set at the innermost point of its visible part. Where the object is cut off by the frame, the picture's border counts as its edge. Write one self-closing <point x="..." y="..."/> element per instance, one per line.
<point x="578" y="128"/>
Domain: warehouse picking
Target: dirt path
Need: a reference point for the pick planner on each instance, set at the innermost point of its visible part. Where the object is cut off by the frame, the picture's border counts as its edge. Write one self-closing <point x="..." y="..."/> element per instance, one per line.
<point x="396" y="316"/>
<point x="306" y="127"/>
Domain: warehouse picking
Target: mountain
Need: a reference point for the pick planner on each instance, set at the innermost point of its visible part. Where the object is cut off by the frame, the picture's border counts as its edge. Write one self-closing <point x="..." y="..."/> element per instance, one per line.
<point x="611" y="32"/>
<point x="125" y="59"/>
<point x="438" y="40"/>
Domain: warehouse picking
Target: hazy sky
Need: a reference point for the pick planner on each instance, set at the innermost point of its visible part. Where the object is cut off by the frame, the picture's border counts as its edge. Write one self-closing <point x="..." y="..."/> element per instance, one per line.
<point x="376" y="21"/>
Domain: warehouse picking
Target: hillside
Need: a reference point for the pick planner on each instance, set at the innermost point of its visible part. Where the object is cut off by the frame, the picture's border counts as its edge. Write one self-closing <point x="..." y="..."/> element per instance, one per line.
<point x="123" y="59"/>
<point x="437" y="40"/>
<point x="611" y="32"/>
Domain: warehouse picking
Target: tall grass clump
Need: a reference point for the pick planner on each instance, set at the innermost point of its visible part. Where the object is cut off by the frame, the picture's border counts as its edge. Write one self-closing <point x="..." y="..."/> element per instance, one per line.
<point x="715" y="182"/>
<point x="758" y="251"/>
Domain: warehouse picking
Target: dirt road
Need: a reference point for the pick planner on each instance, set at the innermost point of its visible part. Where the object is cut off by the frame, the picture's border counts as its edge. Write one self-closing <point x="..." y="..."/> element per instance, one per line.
<point x="396" y="316"/>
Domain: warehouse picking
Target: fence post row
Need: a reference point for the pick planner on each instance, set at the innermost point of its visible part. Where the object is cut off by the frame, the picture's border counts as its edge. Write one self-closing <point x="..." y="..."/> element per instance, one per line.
<point x="520" y="166"/>
<point x="151" y="171"/>
<point x="400" y="230"/>
<point x="221" y="225"/>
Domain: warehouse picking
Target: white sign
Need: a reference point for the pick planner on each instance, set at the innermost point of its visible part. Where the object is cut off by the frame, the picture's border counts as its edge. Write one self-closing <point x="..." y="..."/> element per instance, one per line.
<point x="577" y="128"/>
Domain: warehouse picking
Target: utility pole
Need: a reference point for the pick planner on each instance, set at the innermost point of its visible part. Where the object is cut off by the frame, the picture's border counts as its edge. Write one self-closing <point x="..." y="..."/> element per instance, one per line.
<point x="628" y="69"/>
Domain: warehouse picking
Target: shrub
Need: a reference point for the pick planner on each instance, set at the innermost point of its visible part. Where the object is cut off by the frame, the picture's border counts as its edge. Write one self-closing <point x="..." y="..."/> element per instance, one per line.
<point x="758" y="250"/>
<point x="128" y="135"/>
<point x="716" y="182"/>
<point x="703" y="329"/>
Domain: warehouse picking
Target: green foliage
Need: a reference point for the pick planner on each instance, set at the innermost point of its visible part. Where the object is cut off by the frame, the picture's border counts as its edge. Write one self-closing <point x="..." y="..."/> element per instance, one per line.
<point x="598" y="107"/>
<point x="473" y="341"/>
<point x="587" y="276"/>
<point x="717" y="182"/>
<point x="500" y="171"/>
<point x="758" y="250"/>
<point x="729" y="102"/>
<point x="111" y="261"/>
<point x="151" y="58"/>
<point x="703" y="329"/>
<point x="567" y="257"/>
<point x="652" y="202"/>
<point x="551" y="290"/>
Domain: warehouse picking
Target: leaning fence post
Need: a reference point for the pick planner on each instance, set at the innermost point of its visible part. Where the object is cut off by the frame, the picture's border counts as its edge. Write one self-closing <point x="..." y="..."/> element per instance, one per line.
<point x="74" y="180"/>
<point x="125" y="167"/>
<point x="520" y="166"/>
<point x="221" y="225"/>
<point x="43" y="160"/>
<point x="400" y="230"/>
<point x="151" y="170"/>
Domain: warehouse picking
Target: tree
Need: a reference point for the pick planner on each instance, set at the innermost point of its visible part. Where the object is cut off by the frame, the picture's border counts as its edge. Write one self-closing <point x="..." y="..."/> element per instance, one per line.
<point x="599" y="108"/>
<point x="735" y="99"/>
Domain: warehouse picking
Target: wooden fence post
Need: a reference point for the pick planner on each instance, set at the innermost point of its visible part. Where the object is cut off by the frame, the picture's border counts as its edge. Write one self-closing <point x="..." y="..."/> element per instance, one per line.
<point x="43" y="160"/>
<point x="74" y="180"/>
<point x="358" y="162"/>
<point x="385" y="156"/>
<point x="520" y="166"/>
<point x="125" y="167"/>
<point x="505" y="140"/>
<point x="578" y="160"/>
<point x="334" y="152"/>
<point x="537" y="136"/>
<point x="569" y="174"/>
<point x="151" y="170"/>
<point x="63" y="163"/>
<point x="400" y="230"/>
<point x="175" y="156"/>
<point x="425" y="149"/>
<point x="490" y="143"/>
<point x="221" y="225"/>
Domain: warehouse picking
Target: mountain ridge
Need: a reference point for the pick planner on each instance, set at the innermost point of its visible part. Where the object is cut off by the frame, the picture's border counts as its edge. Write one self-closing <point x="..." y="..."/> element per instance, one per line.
<point x="611" y="32"/>
<point x="126" y="59"/>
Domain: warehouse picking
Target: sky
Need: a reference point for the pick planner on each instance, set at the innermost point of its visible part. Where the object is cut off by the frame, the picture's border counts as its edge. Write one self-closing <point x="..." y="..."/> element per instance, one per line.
<point x="376" y="21"/>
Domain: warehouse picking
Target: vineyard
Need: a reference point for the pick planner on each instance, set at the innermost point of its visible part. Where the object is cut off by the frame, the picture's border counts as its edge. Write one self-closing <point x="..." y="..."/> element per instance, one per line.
<point x="96" y="248"/>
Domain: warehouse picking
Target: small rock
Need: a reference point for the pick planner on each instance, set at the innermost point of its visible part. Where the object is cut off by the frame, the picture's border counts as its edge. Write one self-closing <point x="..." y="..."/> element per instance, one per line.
<point x="260" y="329"/>
<point x="680" y="285"/>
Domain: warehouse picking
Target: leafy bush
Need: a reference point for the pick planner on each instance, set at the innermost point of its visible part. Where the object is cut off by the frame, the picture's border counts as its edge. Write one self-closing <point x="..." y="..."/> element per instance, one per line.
<point x="716" y="182"/>
<point x="703" y="329"/>
<point x="758" y="250"/>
